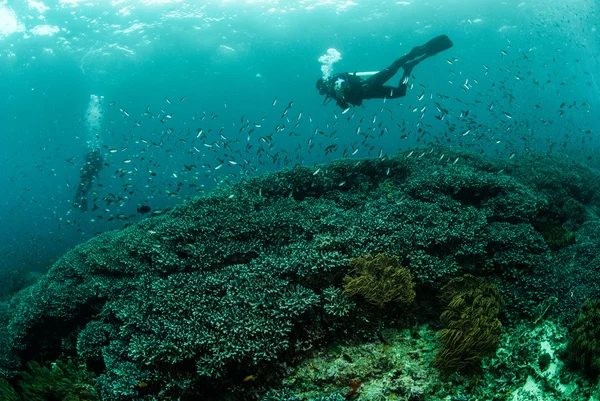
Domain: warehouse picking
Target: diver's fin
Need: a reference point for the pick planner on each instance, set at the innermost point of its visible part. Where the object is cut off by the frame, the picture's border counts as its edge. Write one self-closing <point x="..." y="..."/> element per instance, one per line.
<point x="437" y="45"/>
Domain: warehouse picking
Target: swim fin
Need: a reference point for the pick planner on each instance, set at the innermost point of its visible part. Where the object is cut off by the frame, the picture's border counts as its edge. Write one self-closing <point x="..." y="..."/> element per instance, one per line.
<point x="437" y="45"/>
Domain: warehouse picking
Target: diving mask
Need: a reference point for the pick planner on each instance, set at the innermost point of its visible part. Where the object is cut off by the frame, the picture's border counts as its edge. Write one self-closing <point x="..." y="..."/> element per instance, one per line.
<point x="339" y="85"/>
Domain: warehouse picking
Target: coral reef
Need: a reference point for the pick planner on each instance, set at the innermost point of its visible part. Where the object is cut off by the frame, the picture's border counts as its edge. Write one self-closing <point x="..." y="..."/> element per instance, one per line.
<point x="247" y="280"/>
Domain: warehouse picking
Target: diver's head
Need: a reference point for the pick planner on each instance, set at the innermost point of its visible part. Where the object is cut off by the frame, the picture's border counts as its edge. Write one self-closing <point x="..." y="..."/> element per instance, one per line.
<point x="93" y="155"/>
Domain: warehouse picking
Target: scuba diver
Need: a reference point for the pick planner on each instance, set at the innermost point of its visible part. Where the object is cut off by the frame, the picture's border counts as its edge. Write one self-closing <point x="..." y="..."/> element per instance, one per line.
<point x="350" y="88"/>
<point x="88" y="172"/>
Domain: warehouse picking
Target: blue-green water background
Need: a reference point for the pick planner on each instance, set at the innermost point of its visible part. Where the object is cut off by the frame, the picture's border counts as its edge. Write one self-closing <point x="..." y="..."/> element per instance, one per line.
<point x="232" y="59"/>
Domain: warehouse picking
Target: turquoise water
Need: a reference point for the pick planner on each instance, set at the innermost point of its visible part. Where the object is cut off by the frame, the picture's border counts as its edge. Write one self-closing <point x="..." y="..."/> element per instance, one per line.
<point x="535" y="61"/>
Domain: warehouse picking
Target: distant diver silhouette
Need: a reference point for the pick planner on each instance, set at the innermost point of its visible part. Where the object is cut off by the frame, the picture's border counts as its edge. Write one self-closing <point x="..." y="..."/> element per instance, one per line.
<point x="350" y="88"/>
<point x="87" y="174"/>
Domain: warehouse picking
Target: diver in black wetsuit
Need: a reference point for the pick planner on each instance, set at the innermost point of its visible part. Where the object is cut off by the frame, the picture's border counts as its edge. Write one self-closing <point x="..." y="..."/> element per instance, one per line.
<point x="88" y="172"/>
<point x="349" y="88"/>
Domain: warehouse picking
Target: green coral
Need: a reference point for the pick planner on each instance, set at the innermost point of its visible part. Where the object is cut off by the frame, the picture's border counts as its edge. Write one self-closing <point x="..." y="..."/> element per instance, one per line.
<point x="379" y="279"/>
<point x="554" y="232"/>
<point x="287" y="395"/>
<point x="471" y="325"/>
<point x="584" y="343"/>
<point x="61" y="382"/>
<point x="7" y="392"/>
<point x="335" y="303"/>
<point x="574" y="211"/>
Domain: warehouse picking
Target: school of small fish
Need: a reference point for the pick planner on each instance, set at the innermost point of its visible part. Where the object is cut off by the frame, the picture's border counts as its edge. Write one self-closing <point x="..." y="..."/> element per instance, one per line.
<point x="165" y="153"/>
<point x="212" y="150"/>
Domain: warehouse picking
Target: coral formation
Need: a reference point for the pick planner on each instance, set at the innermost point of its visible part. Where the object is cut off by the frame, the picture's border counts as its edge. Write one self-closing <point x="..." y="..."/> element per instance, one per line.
<point x="61" y="382"/>
<point x="471" y="325"/>
<point x="287" y="395"/>
<point x="584" y="341"/>
<point x="379" y="279"/>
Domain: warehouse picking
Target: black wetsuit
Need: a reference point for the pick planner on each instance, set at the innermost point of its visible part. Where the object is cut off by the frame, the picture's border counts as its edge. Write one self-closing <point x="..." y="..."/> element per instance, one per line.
<point x="356" y="89"/>
<point x="88" y="172"/>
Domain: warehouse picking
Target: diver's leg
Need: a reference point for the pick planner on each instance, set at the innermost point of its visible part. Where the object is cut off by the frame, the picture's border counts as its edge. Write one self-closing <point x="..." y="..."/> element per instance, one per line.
<point x="384" y="75"/>
<point x="420" y="53"/>
<point x="83" y="188"/>
<point x="78" y="196"/>
<point x="407" y="68"/>
<point x="86" y="190"/>
<point x="372" y="91"/>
